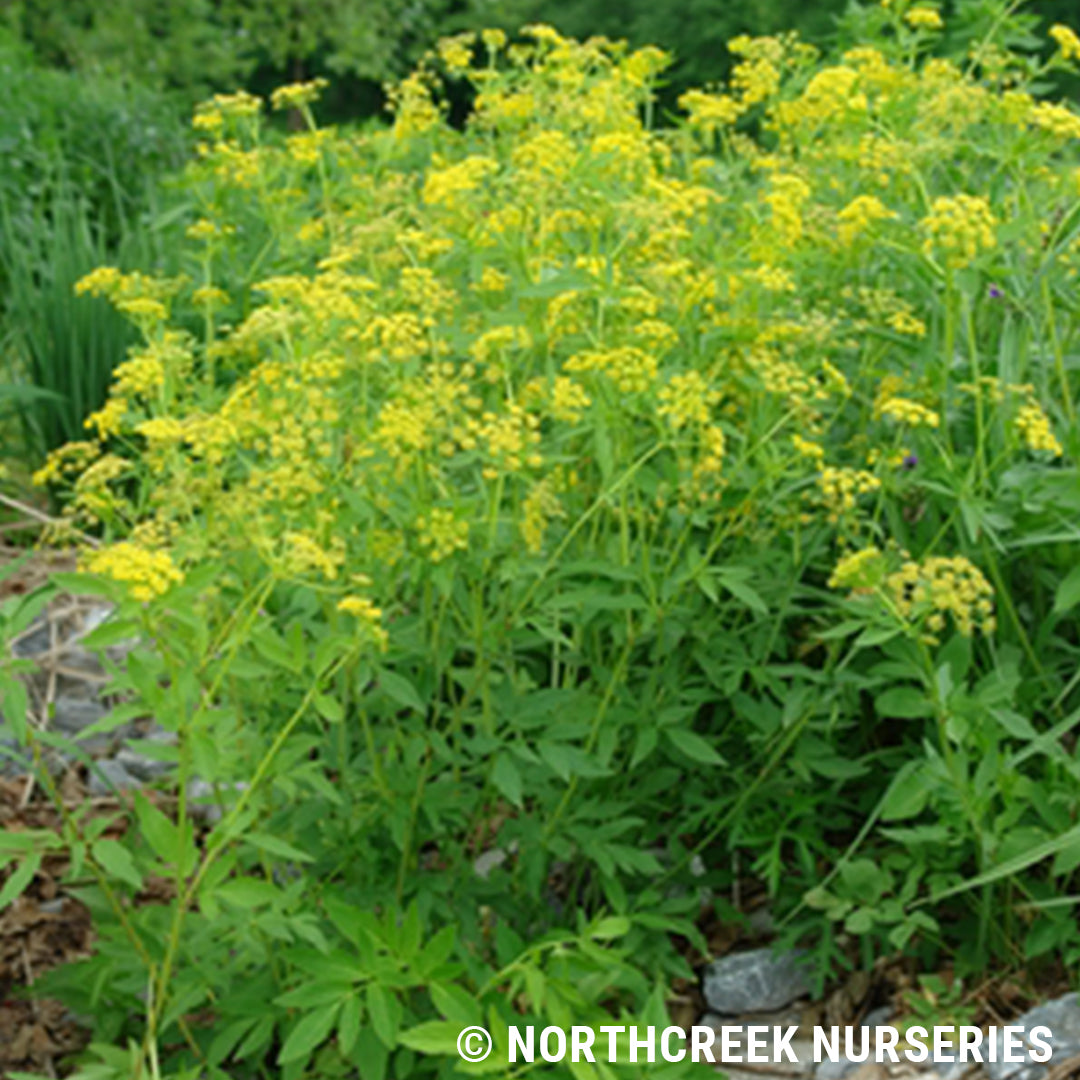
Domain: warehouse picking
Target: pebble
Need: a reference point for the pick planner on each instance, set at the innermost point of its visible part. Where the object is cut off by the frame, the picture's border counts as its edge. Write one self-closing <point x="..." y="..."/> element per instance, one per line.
<point x="1062" y="1017"/>
<point x="108" y="776"/>
<point x="760" y="980"/>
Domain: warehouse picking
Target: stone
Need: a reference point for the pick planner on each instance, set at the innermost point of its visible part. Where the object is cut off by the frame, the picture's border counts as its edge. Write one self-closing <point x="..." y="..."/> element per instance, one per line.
<point x="488" y="861"/>
<point x="147" y="766"/>
<point x="107" y="776"/>
<point x="760" y="980"/>
<point x="72" y="715"/>
<point x="836" y="1070"/>
<point x="34" y="641"/>
<point x="1062" y="1017"/>
<point x="879" y="1017"/>
<point x="870" y="1070"/>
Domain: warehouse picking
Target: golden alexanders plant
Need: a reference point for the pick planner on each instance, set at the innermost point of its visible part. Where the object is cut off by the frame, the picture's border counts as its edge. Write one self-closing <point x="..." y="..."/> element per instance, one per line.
<point x="593" y="494"/>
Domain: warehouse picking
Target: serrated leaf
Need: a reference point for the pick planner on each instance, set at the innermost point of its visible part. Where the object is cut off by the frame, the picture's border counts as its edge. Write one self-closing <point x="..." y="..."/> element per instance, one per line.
<point x="1068" y="592"/>
<point x="613" y="926"/>
<point x="385" y="1014"/>
<point x="741" y="591"/>
<point x="400" y="689"/>
<point x="903" y="702"/>
<point x="116" y="860"/>
<point x="506" y="778"/>
<point x="329" y="708"/>
<point x="349" y="1023"/>
<point x="907" y="795"/>
<point x="307" y="1033"/>
<point x="434" y="1037"/>
<point x="693" y="745"/>
<point x="20" y="879"/>
<point x="455" y="1003"/>
<point x="274" y="845"/>
<point x="437" y="950"/>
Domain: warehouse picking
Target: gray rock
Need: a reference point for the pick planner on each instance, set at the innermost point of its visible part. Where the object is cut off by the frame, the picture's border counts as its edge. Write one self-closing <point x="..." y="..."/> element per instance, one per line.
<point x="108" y="776"/>
<point x="836" y="1070"/>
<point x="146" y="766"/>
<point x="488" y="861"/>
<point x="34" y="642"/>
<point x="756" y="981"/>
<point x="72" y="715"/>
<point x="879" y="1017"/>
<point x="1062" y="1017"/>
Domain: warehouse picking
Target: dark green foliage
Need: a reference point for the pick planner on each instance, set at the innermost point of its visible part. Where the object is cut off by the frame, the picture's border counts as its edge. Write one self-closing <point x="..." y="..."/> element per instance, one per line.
<point x="82" y="156"/>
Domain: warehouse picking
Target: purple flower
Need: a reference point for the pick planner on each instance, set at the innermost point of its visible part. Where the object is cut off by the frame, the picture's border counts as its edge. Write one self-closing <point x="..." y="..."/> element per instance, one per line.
<point x="995" y="293"/>
<point x="910" y="461"/>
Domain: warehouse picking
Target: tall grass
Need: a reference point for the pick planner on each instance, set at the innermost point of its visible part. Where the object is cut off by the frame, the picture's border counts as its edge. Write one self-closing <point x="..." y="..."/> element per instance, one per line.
<point x="58" y="348"/>
<point x="83" y="157"/>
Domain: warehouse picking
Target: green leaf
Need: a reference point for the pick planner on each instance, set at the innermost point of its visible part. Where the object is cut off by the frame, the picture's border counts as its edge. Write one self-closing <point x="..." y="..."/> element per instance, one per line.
<point x="20" y="879"/>
<point x="860" y="921"/>
<point x="693" y="746"/>
<point x="904" y="703"/>
<point x="400" y="689"/>
<point x="1068" y="592"/>
<point x="111" y="632"/>
<point x="87" y="584"/>
<point x="644" y="745"/>
<point x="15" y="706"/>
<point x="226" y="1039"/>
<point x="434" y="1037"/>
<point x="437" y="951"/>
<point x="116" y="860"/>
<point x="455" y="1003"/>
<point x="164" y="836"/>
<point x="876" y="635"/>
<point x="329" y="708"/>
<point x="612" y="927"/>
<point x="1011" y="866"/>
<point x="307" y="1033"/>
<point x="907" y="795"/>
<point x="506" y="778"/>
<point x="274" y="845"/>
<point x="349" y="1023"/>
<point x="741" y="591"/>
<point x="247" y="892"/>
<point x="385" y="1014"/>
<point x="370" y="1056"/>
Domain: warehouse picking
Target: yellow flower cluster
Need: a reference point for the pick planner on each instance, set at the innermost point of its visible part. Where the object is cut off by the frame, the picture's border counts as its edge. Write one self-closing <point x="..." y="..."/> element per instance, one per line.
<point x="1033" y="425"/>
<point x="368" y="616"/>
<point x="941" y="586"/>
<point x="147" y="574"/>
<point x="705" y="319"/>
<point x="441" y="534"/>
<point x="961" y="226"/>
<point x="860" y="215"/>
<point x="859" y="570"/>
<point x="1067" y="41"/>
<point x="923" y="18"/>
<point x="687" y="399"/>
<point x="841" y="487"/>
<point x="908" y="412"/>
<point x="631" y="369"/>
<point x="297" y="95"/>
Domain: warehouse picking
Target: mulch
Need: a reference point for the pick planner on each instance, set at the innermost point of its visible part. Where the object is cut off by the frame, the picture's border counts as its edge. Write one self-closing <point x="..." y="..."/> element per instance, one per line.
<point x="40" y="930"/>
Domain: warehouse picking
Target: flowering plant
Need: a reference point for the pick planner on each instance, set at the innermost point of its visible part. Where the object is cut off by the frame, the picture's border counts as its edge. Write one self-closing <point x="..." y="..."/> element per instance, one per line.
<point x="582" y="496"/>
